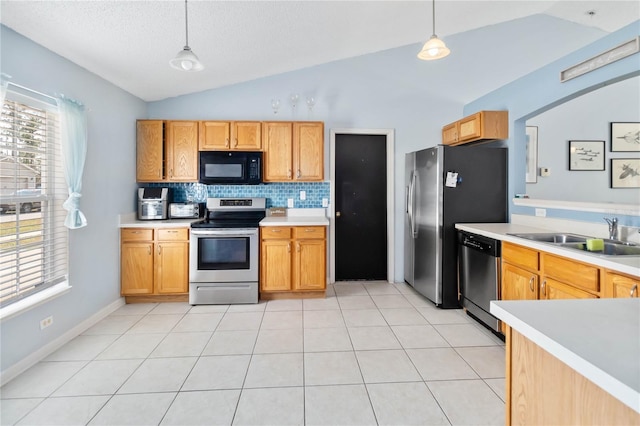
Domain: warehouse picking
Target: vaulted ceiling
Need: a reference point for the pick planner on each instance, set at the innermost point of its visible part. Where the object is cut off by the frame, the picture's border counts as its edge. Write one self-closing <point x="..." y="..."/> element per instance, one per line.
<point x="130" y="43"/>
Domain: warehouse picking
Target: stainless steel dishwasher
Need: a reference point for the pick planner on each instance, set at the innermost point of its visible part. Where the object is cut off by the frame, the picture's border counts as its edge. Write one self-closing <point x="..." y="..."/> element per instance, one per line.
<point x="479" y="275"/>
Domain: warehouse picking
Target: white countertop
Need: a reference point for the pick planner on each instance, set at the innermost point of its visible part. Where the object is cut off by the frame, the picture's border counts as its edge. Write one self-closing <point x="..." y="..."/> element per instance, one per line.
<point x="298" y="217"/>
<point x="129" y="220"/>
<point x="624" y="264"/>
<point x="598" y="338"/>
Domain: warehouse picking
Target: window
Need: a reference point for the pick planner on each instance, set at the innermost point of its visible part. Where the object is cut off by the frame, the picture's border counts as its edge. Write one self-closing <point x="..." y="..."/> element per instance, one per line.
<point x="33" y="239"/>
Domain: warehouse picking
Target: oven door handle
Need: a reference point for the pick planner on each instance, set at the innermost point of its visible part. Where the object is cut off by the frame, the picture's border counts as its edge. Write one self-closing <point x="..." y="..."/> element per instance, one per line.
<point x="224" y="233"/>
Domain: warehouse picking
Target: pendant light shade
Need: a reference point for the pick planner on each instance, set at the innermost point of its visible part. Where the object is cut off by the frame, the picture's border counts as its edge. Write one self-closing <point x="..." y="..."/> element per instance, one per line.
<point x="186" y="60"/>
<point x="434" y="48"/>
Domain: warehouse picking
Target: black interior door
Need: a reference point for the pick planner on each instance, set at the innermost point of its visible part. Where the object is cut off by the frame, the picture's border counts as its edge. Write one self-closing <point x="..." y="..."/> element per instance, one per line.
<point x="361" y="207"/>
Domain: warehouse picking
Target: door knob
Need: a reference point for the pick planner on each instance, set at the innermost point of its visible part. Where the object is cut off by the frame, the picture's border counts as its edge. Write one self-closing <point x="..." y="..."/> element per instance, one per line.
<point x="338" y="214"/>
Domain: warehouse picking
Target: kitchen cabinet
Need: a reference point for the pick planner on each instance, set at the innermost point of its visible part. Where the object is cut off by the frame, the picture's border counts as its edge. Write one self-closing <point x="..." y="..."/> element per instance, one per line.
<point x="294" y="151"/>
<point x="481" y="126"/>
<point x="166" y="151"/>
<point x="620" y="285"/>
<point x="154" y="261"/>
<point x="230" y="136"/>
<point x="292" y="260"/>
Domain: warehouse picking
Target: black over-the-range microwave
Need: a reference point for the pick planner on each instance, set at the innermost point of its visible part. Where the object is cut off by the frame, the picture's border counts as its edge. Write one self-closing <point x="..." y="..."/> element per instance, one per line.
<point x="230" y="167"/>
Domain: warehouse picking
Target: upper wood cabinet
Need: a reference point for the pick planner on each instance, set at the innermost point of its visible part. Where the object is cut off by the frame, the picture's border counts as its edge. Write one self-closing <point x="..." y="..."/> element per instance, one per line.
<point x="166" y="151"/>
<point x="230" y="136"/>
<point x="294" y="151"/>
<point x="483" y="125"/>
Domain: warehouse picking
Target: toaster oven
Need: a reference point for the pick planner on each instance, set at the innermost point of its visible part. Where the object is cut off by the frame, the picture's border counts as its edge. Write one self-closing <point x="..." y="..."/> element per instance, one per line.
<point x="184" y="210"/>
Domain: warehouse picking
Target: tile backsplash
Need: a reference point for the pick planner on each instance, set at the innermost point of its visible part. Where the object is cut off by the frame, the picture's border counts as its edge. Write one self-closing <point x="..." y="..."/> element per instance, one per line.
<point x="275" y="193"/>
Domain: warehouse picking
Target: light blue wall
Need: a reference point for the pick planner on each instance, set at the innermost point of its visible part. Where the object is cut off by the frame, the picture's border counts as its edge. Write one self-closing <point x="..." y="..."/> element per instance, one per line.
<point x="542" y="90"/>
<point x="587" y="117"/>
<point x="108" y="184"/>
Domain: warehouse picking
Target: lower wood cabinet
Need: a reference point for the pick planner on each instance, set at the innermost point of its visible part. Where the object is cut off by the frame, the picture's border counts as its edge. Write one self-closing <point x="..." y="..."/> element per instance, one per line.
<point x="620" y="285"/>
<point x="154" y="261"/>
<point x="292" y="260"/>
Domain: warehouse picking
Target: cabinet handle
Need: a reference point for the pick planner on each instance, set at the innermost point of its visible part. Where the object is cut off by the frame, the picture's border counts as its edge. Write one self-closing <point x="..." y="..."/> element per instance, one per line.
<point x="172" y="232"/>
<point x="309" y="230"/>
<point x="159" y="249"/>
<point x="289" y="248"/>
<point x="135" y="232"/>
<point x="531" y="283"/>
<point x="289" y="174"/>
<point x="276" y="230"/>
<point x="544" y="284"/>
<point x="298" y="247"/>
<point x="159" y="173"/>
<point x="634" y="290"/>
<point x="226" y="142"/>
<point x="149" y="250"/>
<point x="299" y="175"/>
<point x="236" y="144"/>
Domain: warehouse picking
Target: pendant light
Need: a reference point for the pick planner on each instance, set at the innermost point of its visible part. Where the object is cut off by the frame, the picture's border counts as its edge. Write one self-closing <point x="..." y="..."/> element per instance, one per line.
<point x="186" y="60"/>
<point x="434" y="48"/>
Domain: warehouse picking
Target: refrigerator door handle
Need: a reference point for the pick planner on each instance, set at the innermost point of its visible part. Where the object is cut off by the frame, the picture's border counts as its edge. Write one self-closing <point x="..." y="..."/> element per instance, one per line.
<point x="412" y="214"/>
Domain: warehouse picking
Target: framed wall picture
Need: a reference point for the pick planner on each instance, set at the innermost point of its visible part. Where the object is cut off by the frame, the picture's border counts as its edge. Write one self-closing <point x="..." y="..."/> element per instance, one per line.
<point x="625" y="137"/>
<point x="586" y="155"/>
<point x="532" y="154"/>
<point x="625" y="172"/>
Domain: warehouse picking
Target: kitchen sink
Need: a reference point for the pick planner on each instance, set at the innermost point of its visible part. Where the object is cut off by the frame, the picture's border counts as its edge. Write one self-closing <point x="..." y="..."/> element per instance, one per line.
<point x="553" y="237"/>
<point x="611" y="248"/>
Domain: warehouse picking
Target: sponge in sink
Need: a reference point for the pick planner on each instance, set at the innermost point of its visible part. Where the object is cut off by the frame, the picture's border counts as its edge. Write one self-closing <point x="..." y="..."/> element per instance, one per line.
<point x="595" y="244"/>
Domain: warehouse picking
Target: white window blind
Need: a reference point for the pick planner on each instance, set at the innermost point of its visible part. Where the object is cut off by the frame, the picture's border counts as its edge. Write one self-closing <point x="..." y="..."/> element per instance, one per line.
<point x="33" y="239"/>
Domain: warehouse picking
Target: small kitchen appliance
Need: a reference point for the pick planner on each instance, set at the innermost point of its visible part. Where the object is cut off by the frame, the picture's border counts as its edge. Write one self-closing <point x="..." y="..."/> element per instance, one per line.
<point x="224" y="252"/>
<point x="230" y="167"/>
<point x="185" y="210"/>
<point x="152" y="203"/>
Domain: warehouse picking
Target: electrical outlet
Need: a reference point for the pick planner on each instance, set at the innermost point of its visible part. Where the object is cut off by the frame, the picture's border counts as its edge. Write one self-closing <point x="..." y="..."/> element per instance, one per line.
<point x="541" y="212"/>
<point x="290" y="203"/>
<point x="303" y="195"/>
<point x="325" y="202"/>
<point x="46" y="322"/>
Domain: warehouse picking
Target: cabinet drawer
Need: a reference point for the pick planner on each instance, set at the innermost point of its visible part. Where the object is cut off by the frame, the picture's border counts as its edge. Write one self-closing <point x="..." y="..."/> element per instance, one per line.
<point x="275" y="232"/>
<point x="173" y="234"/>
<point x="521" y="256"/>
<point x="571" y="272"/>
<point x="553" y="290"/>
<point x="303" y="232"/>
<point x="136" y="234"/>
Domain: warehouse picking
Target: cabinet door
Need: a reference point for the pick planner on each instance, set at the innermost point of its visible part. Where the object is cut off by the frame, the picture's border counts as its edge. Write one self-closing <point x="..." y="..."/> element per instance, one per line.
<point x="310" y="265"/>
<point x="149" y="150"/>
<point x="470" y="127"/>
<point x="450" y="134"/>
<point x="518" y="283"/>
<point x="569" y="271"/>
<point x="172" y="267"/>
<point x="308" y="151"/>
<point x="275" y="265"/>
<point x="214" y="135"/>
<point x="552" y="289"/>
<point x="182" y="151"/>
<point x="278" y="160"/>
<point x="617" y="285"/>
<point x="136" y="268"/>
<point x="247" y="136"/>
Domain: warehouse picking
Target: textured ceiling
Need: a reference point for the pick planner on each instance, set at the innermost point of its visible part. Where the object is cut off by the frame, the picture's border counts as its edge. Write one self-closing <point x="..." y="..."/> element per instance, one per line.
<point x="130" y="43"/>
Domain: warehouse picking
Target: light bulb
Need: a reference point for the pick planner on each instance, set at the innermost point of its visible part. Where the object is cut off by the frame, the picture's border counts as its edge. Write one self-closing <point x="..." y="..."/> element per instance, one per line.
<point x="186" y="65"/>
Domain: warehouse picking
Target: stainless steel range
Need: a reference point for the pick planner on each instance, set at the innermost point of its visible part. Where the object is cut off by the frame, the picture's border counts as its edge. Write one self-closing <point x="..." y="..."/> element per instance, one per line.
<point x="224" y="252"/>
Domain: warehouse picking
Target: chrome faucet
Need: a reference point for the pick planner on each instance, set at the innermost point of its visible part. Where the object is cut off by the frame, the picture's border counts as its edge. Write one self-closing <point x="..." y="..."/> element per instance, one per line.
<point x="613" y="228"/>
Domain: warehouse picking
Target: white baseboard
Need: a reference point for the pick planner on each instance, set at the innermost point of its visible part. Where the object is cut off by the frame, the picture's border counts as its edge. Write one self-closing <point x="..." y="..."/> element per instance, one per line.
<point x="21" y="366"/>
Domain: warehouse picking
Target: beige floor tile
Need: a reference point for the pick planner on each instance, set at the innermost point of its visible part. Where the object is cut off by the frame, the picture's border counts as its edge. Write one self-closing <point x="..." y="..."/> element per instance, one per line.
<point x="403" y="316"/>
<point x="83" y="348"/>
<point x="209" y="309"/>
<point x="41" y="379"/>
<point x="338" y="405"/>
<point x="487" y="361"/>
<point x="134" y="410"/>
<point x="418" y="336"/>
<point x="198" y="322"/>
<point x="114" y="324"/>
<point x="331" y="368"/>
<point x="202" y="408"/>
<point x="460" y="335"/>
<point x="275" y="370"/>
<point x="99" y="378"/>
<point x="356" y="302"/>
<point x="387" y="367"/>
<point x="249" y="307"/>
<point x="328" y="303"/>
<point x="182" y="344"/>
<point x="498" y="386"/>
<point x="279" y="341"/>
<point x="218" y="372"/>
<point x="280" y="320"/>
<point x="155" y="324"/>
<point x="326" y="340"/>
<point x="350" y="289"/>
<point x="381" y="287"/>
<point x="135" y="309"/>
<point x="171" y="308"/>
<point x="440" y="364"/>
<point x="270" y="406"/>
<point x="445" y="316"/>
<point x="372" y="338"/>
<point x="467" y="402"/>
<point x="323" y="319"/>
<point x="12" y="410"/>
<point x="405" y="404"/>
<point x="231" y="342"/>
<point x="284" y="305"/>
<point x="384" y="301"/>
<point x="65" y="411"/>
<point x="131" y="346"/>
<point x="240" y="321"/>
<point x="159" y="375"/>
<point x="363" y="318"/>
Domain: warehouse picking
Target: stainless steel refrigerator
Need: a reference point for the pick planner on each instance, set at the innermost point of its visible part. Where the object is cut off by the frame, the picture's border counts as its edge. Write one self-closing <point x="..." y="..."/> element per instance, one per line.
<point x="446" y="185"/>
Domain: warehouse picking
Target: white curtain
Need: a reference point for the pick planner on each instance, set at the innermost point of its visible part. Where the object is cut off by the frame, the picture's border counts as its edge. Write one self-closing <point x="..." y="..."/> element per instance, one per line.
<point x="73" y="129"/>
